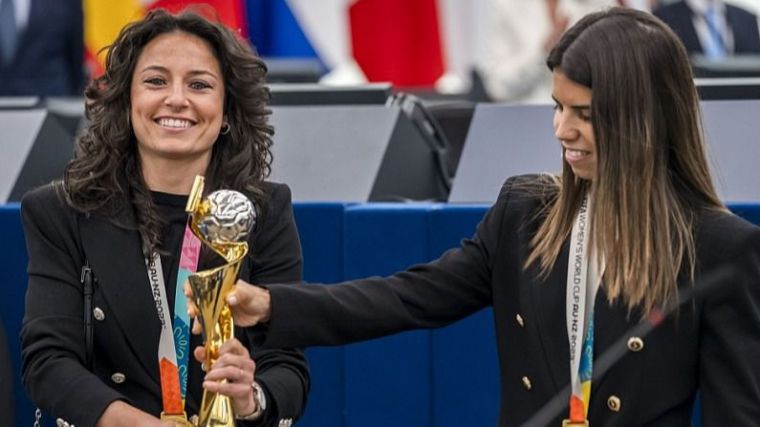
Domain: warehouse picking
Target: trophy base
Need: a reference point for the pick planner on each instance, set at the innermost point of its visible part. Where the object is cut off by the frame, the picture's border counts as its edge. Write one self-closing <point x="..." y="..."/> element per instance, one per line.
<point x="178" y="419"/>
<point x="216" y="411"/>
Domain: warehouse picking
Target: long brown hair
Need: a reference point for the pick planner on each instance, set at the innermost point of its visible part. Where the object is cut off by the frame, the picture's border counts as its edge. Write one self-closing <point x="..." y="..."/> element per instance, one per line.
<point x="105" y="177"/>
<point x="652" y="176"/>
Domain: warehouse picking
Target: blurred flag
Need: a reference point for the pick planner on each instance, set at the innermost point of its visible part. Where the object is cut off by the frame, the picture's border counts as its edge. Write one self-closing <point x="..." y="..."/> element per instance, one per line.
<point x="397" y="40"/>
<point x="410" y="43"/>
<point x="104" y="19"/>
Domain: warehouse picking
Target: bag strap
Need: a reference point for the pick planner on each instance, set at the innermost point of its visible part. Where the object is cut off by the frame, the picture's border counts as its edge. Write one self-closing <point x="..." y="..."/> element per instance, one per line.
<point x="86" y="279"/>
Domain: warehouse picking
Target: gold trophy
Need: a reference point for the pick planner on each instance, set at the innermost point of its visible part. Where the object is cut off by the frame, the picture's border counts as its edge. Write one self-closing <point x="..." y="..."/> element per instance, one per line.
<point x="222" y="221"/>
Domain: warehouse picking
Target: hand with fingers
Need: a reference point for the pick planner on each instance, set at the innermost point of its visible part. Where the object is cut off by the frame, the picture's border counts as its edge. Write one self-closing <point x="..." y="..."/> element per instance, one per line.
<point x="238" y="369"/>
<point x="250" y="305"/>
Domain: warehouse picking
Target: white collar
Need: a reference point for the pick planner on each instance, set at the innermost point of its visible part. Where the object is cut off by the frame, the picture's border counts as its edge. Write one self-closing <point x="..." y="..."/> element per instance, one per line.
<point x="21" y="11"/>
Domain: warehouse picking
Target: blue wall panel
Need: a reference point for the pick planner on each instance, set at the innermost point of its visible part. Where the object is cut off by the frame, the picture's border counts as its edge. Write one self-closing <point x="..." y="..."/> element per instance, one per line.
<point x="13" y="263"/>
<point x="750" y="212"/>
<point x="465" y="366"/>
<point x="388" y="379"/>
<point x="320" y="227"/>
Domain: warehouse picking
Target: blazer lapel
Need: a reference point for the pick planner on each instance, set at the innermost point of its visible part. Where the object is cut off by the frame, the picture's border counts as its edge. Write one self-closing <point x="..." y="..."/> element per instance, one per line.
<point x="548" y="300"/>
<point x="115" y="255"/>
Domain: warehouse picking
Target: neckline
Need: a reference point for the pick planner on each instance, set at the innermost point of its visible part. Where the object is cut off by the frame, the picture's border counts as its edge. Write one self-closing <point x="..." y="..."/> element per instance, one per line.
<point x="169" y="199"/>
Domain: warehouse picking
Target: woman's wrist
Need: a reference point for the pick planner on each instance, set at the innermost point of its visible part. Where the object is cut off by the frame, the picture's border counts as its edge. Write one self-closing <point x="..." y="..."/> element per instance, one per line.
<point x="266" y="301"/>
<point x="259" y="405"/>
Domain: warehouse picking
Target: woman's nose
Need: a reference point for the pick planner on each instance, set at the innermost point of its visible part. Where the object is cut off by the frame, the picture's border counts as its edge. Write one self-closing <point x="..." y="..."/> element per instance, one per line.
<point x="564" y="128"/>
<point x="176" y="97"/>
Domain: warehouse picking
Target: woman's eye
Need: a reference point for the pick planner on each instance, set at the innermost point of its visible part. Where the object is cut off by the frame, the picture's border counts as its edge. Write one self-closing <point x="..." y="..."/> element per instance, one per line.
<point x="199" y="85"/>
<point x="155" y="81"/>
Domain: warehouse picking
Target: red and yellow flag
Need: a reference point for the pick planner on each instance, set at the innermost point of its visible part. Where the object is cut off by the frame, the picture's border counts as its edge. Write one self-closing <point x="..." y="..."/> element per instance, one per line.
<point x="104" y="19"/>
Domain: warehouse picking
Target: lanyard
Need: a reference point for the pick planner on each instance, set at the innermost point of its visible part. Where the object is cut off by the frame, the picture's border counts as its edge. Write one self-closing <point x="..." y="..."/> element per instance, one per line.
<point x="174" y="342"/>
<point x="583" y="279"/>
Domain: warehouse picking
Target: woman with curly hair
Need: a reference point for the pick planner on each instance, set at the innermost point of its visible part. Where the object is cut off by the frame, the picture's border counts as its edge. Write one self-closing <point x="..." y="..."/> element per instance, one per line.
<point x="181" y="96"/>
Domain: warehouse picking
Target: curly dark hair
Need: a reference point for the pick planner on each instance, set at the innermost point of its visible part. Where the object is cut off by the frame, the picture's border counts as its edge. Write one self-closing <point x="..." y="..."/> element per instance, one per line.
<point x="105" y="176"/>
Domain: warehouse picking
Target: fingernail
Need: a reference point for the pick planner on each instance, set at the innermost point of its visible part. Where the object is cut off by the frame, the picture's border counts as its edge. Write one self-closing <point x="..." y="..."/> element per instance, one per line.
<point x="232" y="300"/>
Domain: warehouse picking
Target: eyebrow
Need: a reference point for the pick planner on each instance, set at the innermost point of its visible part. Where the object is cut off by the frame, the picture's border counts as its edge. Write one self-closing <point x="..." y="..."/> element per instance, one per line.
<point x="575" y="107"/>
<point x="166" y="70"/>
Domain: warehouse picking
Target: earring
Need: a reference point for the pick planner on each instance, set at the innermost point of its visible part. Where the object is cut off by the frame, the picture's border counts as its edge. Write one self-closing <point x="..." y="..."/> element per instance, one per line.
<point x="225" y="129"/>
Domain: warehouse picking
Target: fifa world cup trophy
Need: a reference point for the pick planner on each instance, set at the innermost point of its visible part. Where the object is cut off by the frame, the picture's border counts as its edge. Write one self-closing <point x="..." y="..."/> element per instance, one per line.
<point x="222" y="221"/>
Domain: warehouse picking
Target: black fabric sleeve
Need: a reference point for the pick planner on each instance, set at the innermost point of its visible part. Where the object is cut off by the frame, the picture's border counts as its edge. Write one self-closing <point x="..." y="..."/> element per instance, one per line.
<point x="52" y="334"/>
<point x="730" y="336"/>
<point x="424" y="296"/>
<point x="275" y="257"/>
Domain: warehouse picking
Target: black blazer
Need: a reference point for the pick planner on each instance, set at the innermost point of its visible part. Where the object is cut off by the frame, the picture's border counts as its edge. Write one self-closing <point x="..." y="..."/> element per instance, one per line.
<point x="126" y="339"/>
<point x="742" y="23"/>
<point x="712" y="344"/>
<point x="6" y="381"/>
<point x="49" y="58"/>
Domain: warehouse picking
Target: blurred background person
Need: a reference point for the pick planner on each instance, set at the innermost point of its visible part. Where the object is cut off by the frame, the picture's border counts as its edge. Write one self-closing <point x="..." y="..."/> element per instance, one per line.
<point x="517" y="36"/>
<point x="712" y="28"/>
<point x="41" y="48"/>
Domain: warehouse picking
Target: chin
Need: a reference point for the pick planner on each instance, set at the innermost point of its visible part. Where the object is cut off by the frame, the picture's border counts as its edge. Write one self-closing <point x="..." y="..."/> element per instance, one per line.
<point x="585" y="175"/>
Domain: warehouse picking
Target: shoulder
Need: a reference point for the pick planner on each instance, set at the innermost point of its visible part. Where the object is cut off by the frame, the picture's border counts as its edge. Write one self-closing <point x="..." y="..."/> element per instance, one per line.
<point x="49" y="193"/>
<point x="527" y="191"/>
<point x="46" y="215"/>
<point x="723" y="235"/>
<point x="521" y="202"/>
<point x="277" y="208"/>
<point x="48" y="201"/>
<point x="278" y="194"/>
<point x="277" y="199"/>
<point x="737" y="12"/>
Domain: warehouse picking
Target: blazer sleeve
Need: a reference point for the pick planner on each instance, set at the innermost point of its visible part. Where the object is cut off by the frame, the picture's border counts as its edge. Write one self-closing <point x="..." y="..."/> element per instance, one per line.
<point x="276" y="258"/>
<point x="730" y="338"/>
<point x="52" y="333"/>
<point x="424" y="296"/>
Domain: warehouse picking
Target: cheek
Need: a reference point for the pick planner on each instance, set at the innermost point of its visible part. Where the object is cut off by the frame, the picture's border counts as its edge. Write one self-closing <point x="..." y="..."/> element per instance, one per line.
<point x="138" y="120"/>
<point x="589" y="131"/>
<point x="138" y="106"/>
<point x="213" y="110"/>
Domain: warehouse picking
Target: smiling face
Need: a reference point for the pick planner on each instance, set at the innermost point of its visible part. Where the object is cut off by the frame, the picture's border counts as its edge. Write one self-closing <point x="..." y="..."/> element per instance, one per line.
<point x="177" y="99"/>
<point x="572" y="125"/>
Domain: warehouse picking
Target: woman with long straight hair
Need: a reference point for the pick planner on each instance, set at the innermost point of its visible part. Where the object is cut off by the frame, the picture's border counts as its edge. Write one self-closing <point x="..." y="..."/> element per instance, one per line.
<point x="620" y="287"/>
